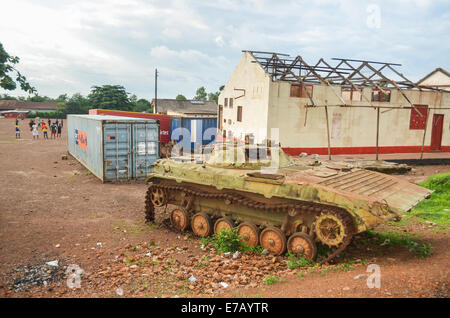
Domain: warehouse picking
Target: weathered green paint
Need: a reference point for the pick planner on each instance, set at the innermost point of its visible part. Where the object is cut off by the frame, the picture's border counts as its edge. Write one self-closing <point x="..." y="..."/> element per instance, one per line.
<point x="293" y="184"/>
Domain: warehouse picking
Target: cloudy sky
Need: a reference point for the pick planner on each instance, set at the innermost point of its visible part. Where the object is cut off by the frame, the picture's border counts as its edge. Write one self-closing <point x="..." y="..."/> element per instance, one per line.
<point x="68" y="46"/>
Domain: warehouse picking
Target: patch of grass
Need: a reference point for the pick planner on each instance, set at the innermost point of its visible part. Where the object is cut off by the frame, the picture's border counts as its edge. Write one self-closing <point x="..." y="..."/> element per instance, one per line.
<point x="436" y="209"/>
<point x="364" y="261"/>
<point x="204" y="261"/>
<point x="348" y="266"/>
<point x="229" y="241"/>
<point x="405" y="240"/>
<point x="270" y="280"/>
<point x="300" y="275"/>
<point x="297" y="261"/>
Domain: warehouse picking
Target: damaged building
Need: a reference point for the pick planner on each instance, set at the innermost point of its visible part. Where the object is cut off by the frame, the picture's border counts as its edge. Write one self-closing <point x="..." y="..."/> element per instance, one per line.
<point x="341" y="107"/>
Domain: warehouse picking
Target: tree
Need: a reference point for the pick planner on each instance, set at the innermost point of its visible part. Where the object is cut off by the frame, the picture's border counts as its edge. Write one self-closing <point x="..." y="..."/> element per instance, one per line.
<point x="215" y="96"/>
<point x="7" y="97"/>
<point x="142" y="105"/>
<point x="200" y="94"/>
<point x="7" y="69"/>
<point x="180" y="97"/>
<point x="110" y="97"/>
<point x="77" y="104"/>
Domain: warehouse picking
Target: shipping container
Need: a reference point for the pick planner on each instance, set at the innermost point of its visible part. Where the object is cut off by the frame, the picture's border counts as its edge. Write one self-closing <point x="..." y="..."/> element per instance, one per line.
<point x="198" y="131"/>
<point x="114" y="148"/>
<point x="164" y="120"/>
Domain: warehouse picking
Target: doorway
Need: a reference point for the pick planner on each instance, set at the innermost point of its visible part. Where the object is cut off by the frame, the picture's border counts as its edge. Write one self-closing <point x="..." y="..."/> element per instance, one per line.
<point x="436" y="132"/>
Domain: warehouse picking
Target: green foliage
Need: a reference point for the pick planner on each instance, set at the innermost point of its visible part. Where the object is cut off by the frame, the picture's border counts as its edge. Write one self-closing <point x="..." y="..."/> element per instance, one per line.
<point x="45" y="115"/>
<point x="180" y="97"/>
<point x="297" y="261"/>
<point x="406" y="240"/>
<point x="346" y="266"/>
<point x="229" y="241"/>
<point x="142" y="105"/>
<point x="110" y="97"/>
<point x="437" y="208"/>
<point x="7" y="69"/>
<point x="214" y="97"/>
<point x="270" y="280"/>
<point x="200" y="94"/>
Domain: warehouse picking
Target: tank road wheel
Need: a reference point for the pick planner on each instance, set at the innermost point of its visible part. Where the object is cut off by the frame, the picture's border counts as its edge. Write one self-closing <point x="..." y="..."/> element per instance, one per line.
<point x="303" y="244"/>
<point x="201" y="224"/>
<point x="273" y="240"/>
<point x="223" y="223"/>
<point x="331" y="229"/>
<point x="158" y="196"/>
<point x="179" y="219"/>
<point x="249" y="233"/>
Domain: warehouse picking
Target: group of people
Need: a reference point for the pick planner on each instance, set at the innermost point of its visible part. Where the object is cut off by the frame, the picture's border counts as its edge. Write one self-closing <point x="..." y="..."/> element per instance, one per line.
<point x="55" y="128"/>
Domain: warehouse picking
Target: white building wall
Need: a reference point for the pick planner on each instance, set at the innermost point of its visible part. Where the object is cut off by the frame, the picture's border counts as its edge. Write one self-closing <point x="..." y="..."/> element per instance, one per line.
<point x="250" y="80"/>
<point x="268" y="104"/>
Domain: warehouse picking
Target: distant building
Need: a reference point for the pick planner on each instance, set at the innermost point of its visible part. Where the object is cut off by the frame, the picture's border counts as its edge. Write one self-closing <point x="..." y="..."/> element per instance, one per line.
<point x="20" y="105"/>
<point x="439" y="78"/>
<point x="186" y="108"/>
<point x="349" y="107"/>
<point x="18" y="108"/>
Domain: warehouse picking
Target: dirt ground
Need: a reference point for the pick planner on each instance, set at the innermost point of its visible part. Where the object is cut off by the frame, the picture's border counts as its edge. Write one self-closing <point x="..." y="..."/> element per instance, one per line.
<point x="54" y="209"/>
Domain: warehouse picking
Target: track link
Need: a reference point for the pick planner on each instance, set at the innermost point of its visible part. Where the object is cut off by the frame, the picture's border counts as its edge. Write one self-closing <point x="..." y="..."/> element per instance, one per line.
<point x="236" y="198"/>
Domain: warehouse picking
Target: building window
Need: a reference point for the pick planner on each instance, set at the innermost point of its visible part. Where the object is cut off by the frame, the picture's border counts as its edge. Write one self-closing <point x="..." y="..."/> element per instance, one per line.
<point x="350" y="93"/>
<point x="301" y="90"/>
<point x="239" y="113"/>
<point x="229" y="121"/>
<point x="226" y="102"/>
<point x="231" y="103"/>
<point x="379" y="96"/>
<point x="416" y="121"/>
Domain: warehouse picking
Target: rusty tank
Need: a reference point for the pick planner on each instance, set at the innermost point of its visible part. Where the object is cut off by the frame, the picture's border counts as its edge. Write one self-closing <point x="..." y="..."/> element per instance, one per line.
<point x="288" y="206"/>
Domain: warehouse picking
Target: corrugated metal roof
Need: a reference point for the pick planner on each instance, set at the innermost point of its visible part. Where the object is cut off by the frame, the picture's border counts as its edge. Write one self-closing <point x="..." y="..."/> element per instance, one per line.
<point x="21" y="105"/>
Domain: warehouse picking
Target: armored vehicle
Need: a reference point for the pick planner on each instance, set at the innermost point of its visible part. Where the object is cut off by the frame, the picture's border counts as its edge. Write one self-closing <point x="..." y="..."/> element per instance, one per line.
<point x="290" y="205"/>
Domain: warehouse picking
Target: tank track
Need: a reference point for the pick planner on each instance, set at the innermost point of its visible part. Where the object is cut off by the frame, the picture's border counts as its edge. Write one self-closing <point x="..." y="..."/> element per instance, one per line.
<point x="273" y="207"/>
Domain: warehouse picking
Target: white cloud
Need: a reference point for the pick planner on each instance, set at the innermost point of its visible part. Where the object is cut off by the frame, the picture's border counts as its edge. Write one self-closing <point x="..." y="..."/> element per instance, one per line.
<point x="67" y="46"/>
<point x="219" y="41"/>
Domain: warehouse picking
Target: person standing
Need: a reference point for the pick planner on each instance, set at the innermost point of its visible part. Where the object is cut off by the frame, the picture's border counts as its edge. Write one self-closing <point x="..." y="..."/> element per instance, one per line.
<point x="49" y="122"/>
<point x="53" y="131"/>
<point x="35" y="132"/>
<point x="44" y="129"/>
<point x="17" y="131"/>
<point x="59" y="131"/>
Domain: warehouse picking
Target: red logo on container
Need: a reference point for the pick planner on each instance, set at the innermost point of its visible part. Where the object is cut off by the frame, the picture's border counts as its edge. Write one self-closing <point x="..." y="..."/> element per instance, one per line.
<point x="81" y="139"/>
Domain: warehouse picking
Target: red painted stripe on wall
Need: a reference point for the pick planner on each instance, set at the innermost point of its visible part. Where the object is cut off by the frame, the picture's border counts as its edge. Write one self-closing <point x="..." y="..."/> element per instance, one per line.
<point x="363" y="150"/>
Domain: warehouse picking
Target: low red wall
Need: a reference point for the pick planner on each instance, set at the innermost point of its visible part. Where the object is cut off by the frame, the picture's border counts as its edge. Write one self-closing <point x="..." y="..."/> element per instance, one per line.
<point x="362" y="150"/>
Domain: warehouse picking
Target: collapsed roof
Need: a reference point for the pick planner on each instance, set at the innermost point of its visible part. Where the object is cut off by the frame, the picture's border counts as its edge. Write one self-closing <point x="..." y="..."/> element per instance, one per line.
<point x="347" y="72"/>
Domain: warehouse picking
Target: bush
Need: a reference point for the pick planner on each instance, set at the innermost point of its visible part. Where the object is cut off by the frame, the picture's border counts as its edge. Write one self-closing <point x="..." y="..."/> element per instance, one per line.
<point x="297" y="261"/>
<point x="229" y="241"/>
<point x="270" y="280"/>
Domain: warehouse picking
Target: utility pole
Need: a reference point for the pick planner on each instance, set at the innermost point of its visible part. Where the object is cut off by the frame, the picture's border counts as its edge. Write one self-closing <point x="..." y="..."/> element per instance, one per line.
<point x="156" y="90"/>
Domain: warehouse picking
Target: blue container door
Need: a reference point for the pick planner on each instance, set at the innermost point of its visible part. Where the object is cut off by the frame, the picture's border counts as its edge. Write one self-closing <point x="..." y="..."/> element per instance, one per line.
<point x="145" y="148"/>
<point x="174" y="124"/>
<point x="209" y="130"/>
<point x="116" y="151"/>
